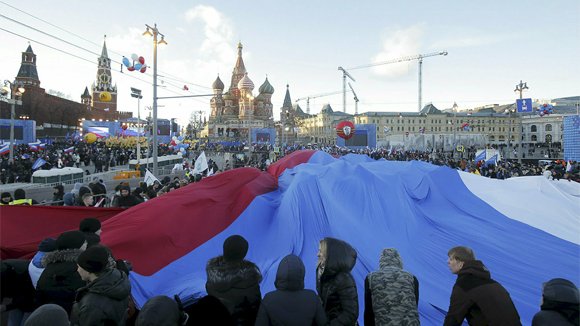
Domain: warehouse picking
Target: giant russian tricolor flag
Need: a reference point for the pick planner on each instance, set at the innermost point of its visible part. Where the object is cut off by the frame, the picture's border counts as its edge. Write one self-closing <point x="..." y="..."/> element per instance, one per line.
<point x="526" y="230"/>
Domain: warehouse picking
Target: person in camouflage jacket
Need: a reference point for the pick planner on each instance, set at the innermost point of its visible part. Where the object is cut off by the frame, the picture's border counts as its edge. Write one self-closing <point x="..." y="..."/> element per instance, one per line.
<point x="391" y="293"/>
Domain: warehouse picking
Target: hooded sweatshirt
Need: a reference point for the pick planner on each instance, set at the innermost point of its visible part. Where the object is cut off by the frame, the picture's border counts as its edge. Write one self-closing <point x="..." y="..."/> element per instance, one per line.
<point x="291" y="304"/>
<point x="391" y="294"/>
<point x="480" y="299"/>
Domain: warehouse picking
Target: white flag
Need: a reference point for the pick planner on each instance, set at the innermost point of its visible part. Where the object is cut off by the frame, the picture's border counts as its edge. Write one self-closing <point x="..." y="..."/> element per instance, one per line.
<point x="149" y="178"/>
<point x="210" y="172"/>
<point x="569" y="167"/>
<point x="200" y="164"/>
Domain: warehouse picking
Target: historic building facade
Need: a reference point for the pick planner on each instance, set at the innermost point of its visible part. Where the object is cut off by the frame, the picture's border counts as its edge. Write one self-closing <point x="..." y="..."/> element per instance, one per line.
<point x="447" y="127"/>
<point x="236" y="111"/>
<point x="56" y="116"/>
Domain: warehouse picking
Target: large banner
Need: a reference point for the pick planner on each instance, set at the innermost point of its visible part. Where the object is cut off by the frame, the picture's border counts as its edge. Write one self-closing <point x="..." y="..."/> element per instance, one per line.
<point x="24" y="227"/>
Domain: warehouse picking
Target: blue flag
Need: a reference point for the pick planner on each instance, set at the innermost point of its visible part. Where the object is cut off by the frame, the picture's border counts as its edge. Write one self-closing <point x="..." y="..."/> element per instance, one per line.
<point x="481" y="156"/>
<point x="491" y="161"/>
<point x="39" y="162"/>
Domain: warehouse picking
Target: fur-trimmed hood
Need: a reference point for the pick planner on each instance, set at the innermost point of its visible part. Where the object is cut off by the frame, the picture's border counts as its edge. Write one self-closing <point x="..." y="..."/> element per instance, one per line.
<point x="61" y="256"/>
<point x="223" y="276"/>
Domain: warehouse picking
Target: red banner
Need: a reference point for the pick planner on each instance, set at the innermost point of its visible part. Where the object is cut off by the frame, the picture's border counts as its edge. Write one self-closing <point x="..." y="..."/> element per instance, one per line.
<point x="22" y="228"/>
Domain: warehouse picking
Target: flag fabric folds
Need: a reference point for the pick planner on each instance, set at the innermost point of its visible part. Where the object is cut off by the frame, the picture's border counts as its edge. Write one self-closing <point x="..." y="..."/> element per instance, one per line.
<point x="69" y="150"/>
<point x="492" y="160"/>
<point x="200" y="163"/>
<point x="33" y="146"/>
<point x="39" y="162"/>
<point x="481" y="156"/>
<point x="421" y="209"/>
<point x="5" y="149"/>
<point x="149" y="178"/>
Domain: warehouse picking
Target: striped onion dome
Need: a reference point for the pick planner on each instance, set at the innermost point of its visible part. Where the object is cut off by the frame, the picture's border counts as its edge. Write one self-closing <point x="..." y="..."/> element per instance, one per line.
<point x="246" y="83"/>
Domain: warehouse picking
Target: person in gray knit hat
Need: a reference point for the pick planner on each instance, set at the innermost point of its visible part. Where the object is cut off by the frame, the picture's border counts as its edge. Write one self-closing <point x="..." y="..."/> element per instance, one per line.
<point x="48" y="315"/>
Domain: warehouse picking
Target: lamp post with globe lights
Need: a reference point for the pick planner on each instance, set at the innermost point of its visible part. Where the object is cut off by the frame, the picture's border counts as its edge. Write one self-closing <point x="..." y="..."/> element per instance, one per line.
<point x="153" y="31"/>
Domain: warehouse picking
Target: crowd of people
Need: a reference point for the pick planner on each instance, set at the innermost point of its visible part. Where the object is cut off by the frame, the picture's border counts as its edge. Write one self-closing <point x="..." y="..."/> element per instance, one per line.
<point x="93" y="158"/>
<point x="75" y="280"/>
<point x="100" y="157"/>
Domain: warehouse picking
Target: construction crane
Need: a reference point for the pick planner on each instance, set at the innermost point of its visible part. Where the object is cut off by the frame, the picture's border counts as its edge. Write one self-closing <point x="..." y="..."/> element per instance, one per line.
<point x="418" y="57"/>
<point x="355" y="99"/>
<point x="309" y="97"/>
<point x="344" y="75"/>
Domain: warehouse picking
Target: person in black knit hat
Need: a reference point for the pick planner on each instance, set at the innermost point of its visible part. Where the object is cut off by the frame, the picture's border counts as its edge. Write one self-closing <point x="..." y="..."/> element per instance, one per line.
<point x="5" y="198"/>
<point x="235" y="281"/>
<point x="105" y="298"/>
<point x="91" y="227"/>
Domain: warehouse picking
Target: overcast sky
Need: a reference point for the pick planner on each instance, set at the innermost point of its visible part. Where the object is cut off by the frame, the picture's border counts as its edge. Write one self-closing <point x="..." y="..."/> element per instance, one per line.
<point x="492" y="45"/>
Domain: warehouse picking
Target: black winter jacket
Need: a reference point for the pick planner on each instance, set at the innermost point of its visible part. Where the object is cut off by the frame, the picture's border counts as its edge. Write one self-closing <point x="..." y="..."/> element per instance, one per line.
<point x="103" y="301"/>
<point x="336" y="286"/>
<point x="480" y="299"/>
<point x="291" y="304"/>
<point x="560" y="299"/>
<point x="60" y="280"/>
<point x="237" y="286"/>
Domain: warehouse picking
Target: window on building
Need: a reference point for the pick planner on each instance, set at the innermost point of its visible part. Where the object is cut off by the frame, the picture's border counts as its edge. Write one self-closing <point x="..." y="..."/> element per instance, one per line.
<point x="501" y="138"/>
<point x="534" y="128"/>
<point x="548" y="138"/>
<point x="534" y="138"/>
<point x="492" y="138"/>
<point x="548" y="127"/>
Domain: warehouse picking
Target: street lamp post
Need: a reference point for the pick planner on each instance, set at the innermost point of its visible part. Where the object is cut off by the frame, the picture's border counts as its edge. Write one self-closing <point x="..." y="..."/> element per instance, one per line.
<point x="153" y="31"/>
<point x="520" y="88"/>
<point x="136" y="93"/>
<point x="509" y="140"/>
<point x="454" y="147"/>
<point x="9" y="88"/>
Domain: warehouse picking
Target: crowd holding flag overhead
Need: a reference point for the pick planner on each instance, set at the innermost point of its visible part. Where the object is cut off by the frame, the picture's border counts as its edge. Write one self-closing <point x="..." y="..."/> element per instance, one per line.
<point x="310" y="196"/>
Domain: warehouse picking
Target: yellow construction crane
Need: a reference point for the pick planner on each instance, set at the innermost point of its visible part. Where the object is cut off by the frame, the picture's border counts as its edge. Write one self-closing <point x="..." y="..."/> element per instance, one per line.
<point x="418" y="57"/>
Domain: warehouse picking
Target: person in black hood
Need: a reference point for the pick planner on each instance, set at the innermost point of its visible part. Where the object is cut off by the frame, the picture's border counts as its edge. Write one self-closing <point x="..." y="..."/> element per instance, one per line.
<point x="58" y="195"/>
<point x="161" y="311"/>
<point x="125" y="199"/>
<point x="476" y="296"/>
<point x="291" y="304"/>
<point x="105" y="299"/>
<point x="82" y="191"/>
<point x="235" y="281"/>
<point x="559" y="304"/>
<point x="334" y="283"/>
